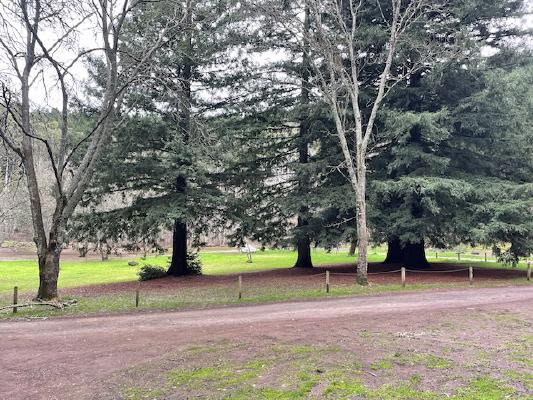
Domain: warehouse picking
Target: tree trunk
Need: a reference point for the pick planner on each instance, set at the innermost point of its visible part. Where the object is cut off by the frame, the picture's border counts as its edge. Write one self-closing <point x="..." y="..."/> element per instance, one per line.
<point x="410" y="255"/>
<point x="48" y="275"/>
<point x="178" y="265"/>
<point x="303" y="243"/>
<point x="303" y="247"/>
<point x="104" y="252"/>
<point x="414" y="255"/>
<point x="362" y="230"/>
<point x="394" y="252"/>
<point x="353" y="246"/>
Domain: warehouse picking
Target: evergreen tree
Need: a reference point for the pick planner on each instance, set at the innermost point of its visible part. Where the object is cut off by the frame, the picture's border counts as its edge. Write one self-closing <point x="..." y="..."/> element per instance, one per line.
<point x="169" y="147"/>
<point x="420" y="193"/>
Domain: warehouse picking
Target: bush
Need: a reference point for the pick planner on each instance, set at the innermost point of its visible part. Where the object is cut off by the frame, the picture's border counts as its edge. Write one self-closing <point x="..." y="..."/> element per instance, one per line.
<point x="148" y="272"/>
<point x="194" y="265"/>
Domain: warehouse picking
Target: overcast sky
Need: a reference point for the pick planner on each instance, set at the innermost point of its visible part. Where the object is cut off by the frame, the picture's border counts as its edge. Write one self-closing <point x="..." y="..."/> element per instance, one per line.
<point x="45" y="92"/>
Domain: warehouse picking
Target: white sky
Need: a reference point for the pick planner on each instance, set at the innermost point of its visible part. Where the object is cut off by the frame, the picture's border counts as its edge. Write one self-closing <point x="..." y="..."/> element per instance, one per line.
<point x="45" y="91"/>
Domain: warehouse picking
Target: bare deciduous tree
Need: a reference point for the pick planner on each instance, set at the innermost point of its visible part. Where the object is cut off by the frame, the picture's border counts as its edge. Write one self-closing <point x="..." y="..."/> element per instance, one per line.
<point x="340" y="61"/>
<point x="35" y="37"/>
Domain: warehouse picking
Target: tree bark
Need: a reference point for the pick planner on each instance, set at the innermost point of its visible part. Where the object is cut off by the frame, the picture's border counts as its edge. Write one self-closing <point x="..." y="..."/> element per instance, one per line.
<point x="353" y="246"/>
<point x="178" y="265"/>
<point x="394" y="252"/>
<point x="48" y="274"/>
<point x="410" y="255"/>
<point x="303" y="247"/>
<point x="104" y="251"/>
<point x="362" y="230"/>
<point x="414" y="255"/>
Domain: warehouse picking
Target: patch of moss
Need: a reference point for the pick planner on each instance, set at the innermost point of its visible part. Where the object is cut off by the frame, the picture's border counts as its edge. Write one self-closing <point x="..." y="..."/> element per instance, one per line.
<point x="428" y="360"/>
<point x="523" y="378"/>
<point x="401" y="392"/>
<point x="221" y="376"/>
<point x="306" y="383"/>
<point x="349" y="388"/>
<point x="345" y="388"/>
<point x="521" y="350"/>
<point x="303" y="349"/>
<point x="484" y="388"/>
<point x="384" y="363"/>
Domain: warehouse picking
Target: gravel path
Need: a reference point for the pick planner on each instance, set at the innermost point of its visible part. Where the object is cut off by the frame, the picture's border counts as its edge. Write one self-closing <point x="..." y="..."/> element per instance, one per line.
<point x="65" y="358"/>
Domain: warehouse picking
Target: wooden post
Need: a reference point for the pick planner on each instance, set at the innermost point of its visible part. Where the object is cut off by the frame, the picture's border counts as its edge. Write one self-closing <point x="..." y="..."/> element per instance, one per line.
<point x="485" y="256"/>
<point x="403" y="276"/>
<point x="529" y="270"/>
<point x="459" y="256"/>
<point x="436" y="254"/>
<point x="471" y="275"/>
<point x="240" y="287"/>
<point x="15" y="298"/>
<point x="327" y="281"/>
<point x="137" y="295"/>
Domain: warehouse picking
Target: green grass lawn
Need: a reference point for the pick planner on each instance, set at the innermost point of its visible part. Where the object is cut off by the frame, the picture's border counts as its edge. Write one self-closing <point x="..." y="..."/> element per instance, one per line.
<point x="24" y="274"/>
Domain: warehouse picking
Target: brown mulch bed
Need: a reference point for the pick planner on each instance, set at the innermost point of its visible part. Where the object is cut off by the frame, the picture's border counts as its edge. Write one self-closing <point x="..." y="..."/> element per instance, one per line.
<point x="340" y="274"/>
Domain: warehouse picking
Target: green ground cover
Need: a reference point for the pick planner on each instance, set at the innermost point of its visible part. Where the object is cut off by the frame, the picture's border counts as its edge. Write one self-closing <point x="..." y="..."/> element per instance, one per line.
<point x="24" y="274"/>
<point x="88" y="272"/>
<point x="225" y="371"/>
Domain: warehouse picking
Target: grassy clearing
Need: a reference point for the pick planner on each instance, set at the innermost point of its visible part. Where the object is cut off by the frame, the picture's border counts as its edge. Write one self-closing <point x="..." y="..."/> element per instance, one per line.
<point x="24" y="274"/>
<point x="88" y="272"/>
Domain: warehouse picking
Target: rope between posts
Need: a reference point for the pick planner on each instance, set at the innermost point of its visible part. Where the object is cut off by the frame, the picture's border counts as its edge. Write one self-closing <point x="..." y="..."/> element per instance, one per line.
<point x="384" y="272"/>
<point x="438" y="271"/>
<point x="342" y="273"/>
<point x="310" y="276"/>
<point x="368" y="273"/>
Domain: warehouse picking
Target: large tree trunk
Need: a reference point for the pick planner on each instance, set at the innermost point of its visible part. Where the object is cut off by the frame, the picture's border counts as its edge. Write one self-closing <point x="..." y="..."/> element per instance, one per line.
<point x="394" y="252"/>
<point x="410" y="255"/>
<point x="303" y="243"/>
<point x="414" y="255"/>
<point x="178" y="265"/>
<point x="48" y="275"/>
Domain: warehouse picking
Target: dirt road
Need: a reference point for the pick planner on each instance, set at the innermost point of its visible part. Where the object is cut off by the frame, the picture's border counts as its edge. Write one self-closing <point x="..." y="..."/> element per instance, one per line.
<point x="66" y="358"/>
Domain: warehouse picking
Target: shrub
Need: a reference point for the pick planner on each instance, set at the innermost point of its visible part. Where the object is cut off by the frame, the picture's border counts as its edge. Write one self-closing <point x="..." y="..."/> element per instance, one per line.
<point x="194" y="265"/>
<point x="507" y="257"/>
<point x="148" y="272"/>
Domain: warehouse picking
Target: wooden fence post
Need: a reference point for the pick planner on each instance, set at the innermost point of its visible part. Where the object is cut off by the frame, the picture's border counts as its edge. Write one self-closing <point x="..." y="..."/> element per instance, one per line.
<point x="15" y="298"/>
<point x="436" y="255"/>
<point x="327" y="281"/>
<point x="471" y="275"/>
<point x="240" y="287"/>
<point x="529" y="270"/>
<point x="459" y="256"/>
<point x="403" y="276"/>
<point x="485" y="256"/>
<point x="137" y="295"/>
